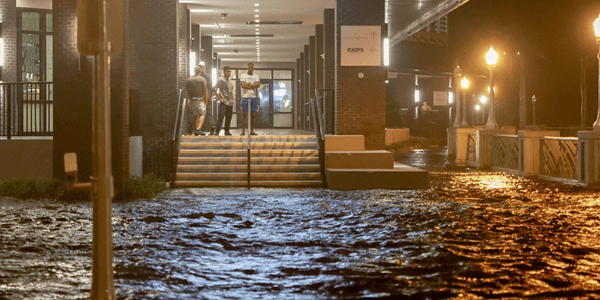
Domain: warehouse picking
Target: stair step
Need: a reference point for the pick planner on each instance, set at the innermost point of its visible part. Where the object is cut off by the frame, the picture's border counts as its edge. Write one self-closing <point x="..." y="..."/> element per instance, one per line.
<point x="192" y="184"/>
<point x="240" y="139"/>
<point x="257" y="145"/>
<point x="243" y="160"/>
<point x="243" y="168"/>
<point x="244" y="153"/>
<point x="244" y="176"/>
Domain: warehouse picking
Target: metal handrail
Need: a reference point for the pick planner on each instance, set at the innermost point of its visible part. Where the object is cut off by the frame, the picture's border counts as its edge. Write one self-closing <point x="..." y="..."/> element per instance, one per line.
<point x="319" y="134"/>
<point x="177" y="130"/>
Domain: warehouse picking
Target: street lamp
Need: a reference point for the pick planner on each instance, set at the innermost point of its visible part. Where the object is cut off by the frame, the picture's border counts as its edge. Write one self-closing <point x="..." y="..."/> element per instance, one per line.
<point x="483" y="99"/>
<point x="465" y="84"/>
<point x="533" y="100"/>
<point x="457" y="74"/>
<point x="492" y="59"/>
<point x="597" y="31"/>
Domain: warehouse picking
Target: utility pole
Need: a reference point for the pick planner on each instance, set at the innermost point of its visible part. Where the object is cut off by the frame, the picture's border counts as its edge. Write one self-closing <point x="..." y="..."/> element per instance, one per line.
<point x="97" y="38"/>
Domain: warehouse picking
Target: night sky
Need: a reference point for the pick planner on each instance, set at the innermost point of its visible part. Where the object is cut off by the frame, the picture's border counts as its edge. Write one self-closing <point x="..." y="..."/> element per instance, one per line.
<point x="553" y="38"/>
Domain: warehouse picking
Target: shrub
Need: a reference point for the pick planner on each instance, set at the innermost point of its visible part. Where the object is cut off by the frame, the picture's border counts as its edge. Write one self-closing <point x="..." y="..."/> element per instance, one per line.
<point x="33" y="189"/>
<point x="147" y="186"/>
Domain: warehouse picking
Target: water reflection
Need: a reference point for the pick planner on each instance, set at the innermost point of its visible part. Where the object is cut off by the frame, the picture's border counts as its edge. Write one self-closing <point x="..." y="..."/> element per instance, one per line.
<point x="471" y="235"/>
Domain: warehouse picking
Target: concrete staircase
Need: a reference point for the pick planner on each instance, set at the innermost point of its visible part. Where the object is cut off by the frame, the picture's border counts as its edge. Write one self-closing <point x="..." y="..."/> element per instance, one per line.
<point x="276" y="161"/>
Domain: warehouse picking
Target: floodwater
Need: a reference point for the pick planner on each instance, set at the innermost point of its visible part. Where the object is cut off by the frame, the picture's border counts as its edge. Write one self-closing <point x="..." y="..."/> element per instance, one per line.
<point x="474" y="235"/>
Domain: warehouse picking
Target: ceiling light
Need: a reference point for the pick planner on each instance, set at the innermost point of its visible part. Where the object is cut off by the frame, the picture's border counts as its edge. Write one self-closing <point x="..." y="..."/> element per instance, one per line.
<point x="257" y="25"/>
<point x="257" y="10"/>
<point x="257" y="33"/>
<point x="256" y="4"/>
<point x="257" y="21"/>
<point x="257" y="29"/>
<point x="256" y="16"/>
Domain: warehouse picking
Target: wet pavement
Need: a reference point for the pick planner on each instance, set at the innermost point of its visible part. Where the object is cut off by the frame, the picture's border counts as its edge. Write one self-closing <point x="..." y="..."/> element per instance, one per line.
<point x="473" y="235"/>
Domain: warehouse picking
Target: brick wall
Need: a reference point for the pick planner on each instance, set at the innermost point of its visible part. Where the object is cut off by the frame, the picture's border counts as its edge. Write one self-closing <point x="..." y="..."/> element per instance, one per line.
<point x="154" y="68"/>
<point x="360" y="103"/>
<point x="8" y="16"/>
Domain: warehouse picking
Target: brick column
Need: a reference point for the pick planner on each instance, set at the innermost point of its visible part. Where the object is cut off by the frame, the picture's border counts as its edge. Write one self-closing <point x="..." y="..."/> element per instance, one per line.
<point x="360" y="102"/>
<point x="306" y="79"/>
<point x="185" y="36"/>
<point x="297" y="97"/>
<point x="73" y="87"/>
<point x="8" y="17"/>
<point x="301" y="72"/>
<point x="155" y="75"/>
<point x="206" y="43"/>
<point x="329" y="65"/>
<point x="119" y="93"/>
<point x="312" y="45"/>
<point x="319" y="56"/>
<point x="72" y="93"/>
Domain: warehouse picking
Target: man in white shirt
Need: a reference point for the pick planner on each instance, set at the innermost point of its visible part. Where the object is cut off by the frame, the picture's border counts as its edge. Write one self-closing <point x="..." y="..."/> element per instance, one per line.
<point x="250" y="82"/>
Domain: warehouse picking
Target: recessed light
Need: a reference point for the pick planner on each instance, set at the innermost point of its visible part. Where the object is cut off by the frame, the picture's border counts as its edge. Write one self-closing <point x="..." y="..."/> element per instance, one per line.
<point x="257" y="25"/>
<point x="257" y="29"/>
<point x="256" y="16"/>
<point x="257" y="33"/>
<point x="257" y="10"/>
<point x="257" y="21"/>
<point x="256" y="4"/>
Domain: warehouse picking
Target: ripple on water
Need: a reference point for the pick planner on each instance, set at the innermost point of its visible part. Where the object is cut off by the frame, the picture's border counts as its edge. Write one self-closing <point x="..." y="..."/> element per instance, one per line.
<point x="471" y="234"/>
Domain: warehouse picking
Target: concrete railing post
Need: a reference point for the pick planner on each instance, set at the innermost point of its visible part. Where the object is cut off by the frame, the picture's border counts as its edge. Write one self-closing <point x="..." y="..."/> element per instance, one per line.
<point x="483" y="154"/>
<point x="530" y="152"/>
<point x="589" y="158"/>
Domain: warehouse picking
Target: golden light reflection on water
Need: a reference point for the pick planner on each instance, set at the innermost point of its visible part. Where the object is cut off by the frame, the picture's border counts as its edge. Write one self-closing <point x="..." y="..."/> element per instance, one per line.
<point x="496" y="181"/>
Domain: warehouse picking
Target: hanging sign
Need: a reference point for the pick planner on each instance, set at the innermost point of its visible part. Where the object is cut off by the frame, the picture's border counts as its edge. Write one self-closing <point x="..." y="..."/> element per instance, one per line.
<point x="360" y="46"/>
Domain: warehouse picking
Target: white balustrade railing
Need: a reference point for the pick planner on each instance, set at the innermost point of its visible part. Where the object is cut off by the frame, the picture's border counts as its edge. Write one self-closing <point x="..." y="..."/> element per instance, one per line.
<point x="505" y="152"/>
<point x="558" y="158"/>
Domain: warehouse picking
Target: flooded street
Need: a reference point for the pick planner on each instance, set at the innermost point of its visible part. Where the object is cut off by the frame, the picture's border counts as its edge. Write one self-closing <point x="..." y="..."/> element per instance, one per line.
<point x="470" y="235"/>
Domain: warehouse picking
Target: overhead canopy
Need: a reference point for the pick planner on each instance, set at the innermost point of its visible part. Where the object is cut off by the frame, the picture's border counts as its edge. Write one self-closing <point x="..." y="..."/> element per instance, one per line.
<point x="285" y="25"/>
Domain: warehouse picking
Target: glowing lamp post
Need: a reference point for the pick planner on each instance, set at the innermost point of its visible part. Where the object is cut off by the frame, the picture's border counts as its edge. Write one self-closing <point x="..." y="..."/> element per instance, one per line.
<point x="533" y="101"/>
<point x="457" y="74"/>
<point x="492" y="59"/>
<point x="597" y="31"/>
<point x="464" y="84"/>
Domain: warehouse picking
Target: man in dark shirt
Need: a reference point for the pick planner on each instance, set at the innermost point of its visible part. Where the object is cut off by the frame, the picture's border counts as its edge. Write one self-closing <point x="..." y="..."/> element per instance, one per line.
<point x="209" y="104"/>
<point x="197" y="95"/>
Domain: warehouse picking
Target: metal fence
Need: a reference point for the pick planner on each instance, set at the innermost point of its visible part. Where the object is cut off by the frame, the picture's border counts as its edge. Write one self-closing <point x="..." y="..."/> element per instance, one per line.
<point x="26" y="109"/>
<point x="559" y="158"/>
<point x="472" y="148"/>
<point x="505" y="151"/>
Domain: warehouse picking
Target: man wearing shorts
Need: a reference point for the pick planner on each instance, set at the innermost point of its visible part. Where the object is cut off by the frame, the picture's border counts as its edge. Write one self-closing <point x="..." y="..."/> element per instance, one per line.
<point x="197" y="94"/>
<point x="250" y="82"/>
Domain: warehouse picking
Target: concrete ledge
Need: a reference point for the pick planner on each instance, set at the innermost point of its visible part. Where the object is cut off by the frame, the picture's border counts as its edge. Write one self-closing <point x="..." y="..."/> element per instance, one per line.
<point x="26" y="159"/>
<point x="359" y="159"/>
<point x="402" y="177"/>
<point x="344" y="143"/>
<point x="396" y="135"/>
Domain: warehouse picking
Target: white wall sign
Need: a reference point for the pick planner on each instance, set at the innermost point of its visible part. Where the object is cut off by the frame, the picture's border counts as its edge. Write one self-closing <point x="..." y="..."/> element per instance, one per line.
<point x="361" y="45"/>
<point x="440" y="98"/>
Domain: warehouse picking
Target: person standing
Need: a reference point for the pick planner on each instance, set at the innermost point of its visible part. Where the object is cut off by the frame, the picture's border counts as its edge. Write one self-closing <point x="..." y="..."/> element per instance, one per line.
<point x="224" y="91"/>
<point x="250" y="82"/>
<point x="209" y="104"/>
<point x="197" y="95"/>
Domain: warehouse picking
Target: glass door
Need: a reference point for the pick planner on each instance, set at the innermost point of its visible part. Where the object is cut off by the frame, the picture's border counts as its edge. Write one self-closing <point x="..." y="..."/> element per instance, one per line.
<point x="265" y="104"/>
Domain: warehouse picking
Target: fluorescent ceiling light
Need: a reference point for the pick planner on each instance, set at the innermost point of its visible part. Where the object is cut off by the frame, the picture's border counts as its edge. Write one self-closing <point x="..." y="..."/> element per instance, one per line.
<point x="256" y="4"/>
